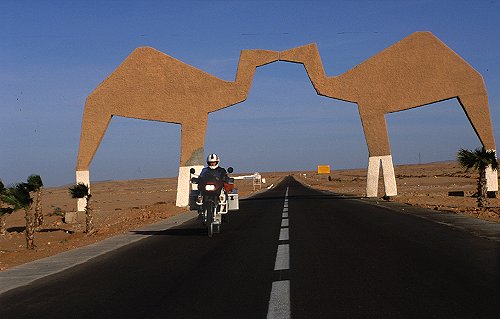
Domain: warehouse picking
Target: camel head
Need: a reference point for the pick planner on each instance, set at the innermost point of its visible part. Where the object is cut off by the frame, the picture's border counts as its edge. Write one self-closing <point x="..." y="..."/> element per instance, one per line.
<point x="300" y="54"/>
<point x="259" y="57"/>
<point x="308" y="56"/>
<point x="249" y="61"/>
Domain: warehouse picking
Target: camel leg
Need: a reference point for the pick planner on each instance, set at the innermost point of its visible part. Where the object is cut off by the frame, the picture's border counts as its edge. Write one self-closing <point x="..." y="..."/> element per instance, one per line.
<point x="94" y="126"/>
<point x="372" y="176"/>
<point x="389" y="177"/>
<point x="491" y="180"/>
<point x="477" y="111"/>
<point x="377" y="140"/>
<point x="192" y="156"/>
<point x="82" y="177"/>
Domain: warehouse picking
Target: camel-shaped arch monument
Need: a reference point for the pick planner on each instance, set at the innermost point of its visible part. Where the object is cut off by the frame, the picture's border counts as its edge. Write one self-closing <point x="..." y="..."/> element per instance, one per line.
<point x="416" y="71"/>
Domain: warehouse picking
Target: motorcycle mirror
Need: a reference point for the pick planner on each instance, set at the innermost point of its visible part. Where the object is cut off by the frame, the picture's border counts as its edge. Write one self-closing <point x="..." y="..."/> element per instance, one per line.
<point x="192" y="170"/>
<point x="229" y="169"/>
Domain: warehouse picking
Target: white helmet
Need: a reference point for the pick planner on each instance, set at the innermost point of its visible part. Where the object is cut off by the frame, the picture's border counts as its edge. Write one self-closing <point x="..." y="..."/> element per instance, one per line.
<point x="213" y="158"/>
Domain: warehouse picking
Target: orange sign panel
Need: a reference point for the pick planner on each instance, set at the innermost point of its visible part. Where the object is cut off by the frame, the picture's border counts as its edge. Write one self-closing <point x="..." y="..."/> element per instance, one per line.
<point x="323" y="169"/>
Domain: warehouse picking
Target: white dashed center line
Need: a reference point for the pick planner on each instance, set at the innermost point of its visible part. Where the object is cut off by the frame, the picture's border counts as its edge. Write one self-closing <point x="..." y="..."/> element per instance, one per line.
<point x="282" y="257"/>
<point x="284" y="234"/>
<point x="279" y="301"/>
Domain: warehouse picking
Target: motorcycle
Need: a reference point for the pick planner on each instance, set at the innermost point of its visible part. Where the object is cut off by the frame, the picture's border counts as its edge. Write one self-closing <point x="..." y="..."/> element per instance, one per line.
<point x="212" y="199"/>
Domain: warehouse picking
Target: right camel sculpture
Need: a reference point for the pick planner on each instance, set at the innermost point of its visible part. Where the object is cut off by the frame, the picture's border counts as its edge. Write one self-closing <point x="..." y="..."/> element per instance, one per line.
<point x="418" y="70"/>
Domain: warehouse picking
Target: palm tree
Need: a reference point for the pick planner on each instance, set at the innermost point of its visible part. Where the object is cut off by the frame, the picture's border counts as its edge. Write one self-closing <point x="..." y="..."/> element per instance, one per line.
<point x="4" y="211"/>
<point x="478" y="159"/>
<point x="18" y="197"/>
<point x="35" y="185"/>
<point x="81" y="190"/>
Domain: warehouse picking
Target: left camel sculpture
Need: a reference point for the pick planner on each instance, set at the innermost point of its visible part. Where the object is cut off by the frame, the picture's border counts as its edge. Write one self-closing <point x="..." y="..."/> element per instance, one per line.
<point x="151" y="85"/>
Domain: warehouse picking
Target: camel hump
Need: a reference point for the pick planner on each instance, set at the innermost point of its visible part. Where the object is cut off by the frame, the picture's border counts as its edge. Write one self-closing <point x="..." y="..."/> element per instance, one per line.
<point x="425" y="41"/>
<point x="146" y="51"/>
<point x="432" y="49"/>
<point x="148" y="58"/>
<point x="420" y="51"/>
<point x="423" y="34"/>
<point x="146" y="67"/>
<point x="425" y="46"/>
<point x="148" y="55"/>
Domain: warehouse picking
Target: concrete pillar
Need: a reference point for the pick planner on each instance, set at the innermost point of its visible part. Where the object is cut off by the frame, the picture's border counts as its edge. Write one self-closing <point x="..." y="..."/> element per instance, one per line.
<point x="373" y="174"/>
<point x="183" y="185"/>
<point x="491" y="178"/>
<point x="389" y="177"/>
<point x="82" y="177"/>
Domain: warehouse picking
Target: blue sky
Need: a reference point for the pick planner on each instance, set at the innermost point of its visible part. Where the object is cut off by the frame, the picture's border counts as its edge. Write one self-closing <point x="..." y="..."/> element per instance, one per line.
<point x="53" y="54"/>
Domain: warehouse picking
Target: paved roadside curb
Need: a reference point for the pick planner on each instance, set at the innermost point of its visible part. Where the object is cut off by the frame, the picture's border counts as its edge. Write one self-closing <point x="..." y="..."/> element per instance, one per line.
<point x="478" y="227"/>
<point x="25" y="274"/>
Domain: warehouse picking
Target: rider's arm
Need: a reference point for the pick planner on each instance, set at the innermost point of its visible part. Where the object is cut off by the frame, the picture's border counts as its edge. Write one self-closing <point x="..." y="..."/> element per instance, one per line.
<point x="203" y="172"/>
<point x="224" y="175"/>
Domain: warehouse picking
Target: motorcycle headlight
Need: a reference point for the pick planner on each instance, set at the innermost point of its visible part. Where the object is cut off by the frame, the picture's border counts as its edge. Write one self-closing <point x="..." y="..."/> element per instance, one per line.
<point x="209" y="187"/>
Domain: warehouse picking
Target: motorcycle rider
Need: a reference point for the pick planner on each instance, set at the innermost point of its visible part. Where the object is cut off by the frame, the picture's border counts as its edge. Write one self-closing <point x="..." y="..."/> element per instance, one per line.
<point x="212" y="169"/>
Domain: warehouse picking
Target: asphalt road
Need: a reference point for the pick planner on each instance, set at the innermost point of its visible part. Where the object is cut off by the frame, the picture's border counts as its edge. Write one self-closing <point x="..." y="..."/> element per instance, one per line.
<point x="289" y="252"/>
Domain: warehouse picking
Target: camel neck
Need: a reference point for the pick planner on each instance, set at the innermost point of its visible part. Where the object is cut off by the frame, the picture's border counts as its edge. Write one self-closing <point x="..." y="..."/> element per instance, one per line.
<point x="234" y="92"/>
<point x="244" y="77"/>
<point x="334" y="87"/>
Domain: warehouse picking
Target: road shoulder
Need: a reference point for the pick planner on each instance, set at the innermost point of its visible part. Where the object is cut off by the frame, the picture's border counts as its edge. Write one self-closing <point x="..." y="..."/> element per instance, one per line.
<point x="26" y="273"/>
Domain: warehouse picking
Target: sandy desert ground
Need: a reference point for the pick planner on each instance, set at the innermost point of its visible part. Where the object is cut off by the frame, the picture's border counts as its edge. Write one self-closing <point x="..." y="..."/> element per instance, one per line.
<point x="120" y="206"/>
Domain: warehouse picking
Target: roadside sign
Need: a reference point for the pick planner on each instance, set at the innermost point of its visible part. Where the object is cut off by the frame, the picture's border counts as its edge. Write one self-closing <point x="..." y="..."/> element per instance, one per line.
<point x="323" y="169"/>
